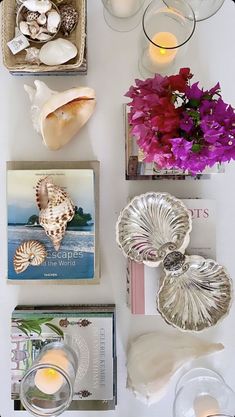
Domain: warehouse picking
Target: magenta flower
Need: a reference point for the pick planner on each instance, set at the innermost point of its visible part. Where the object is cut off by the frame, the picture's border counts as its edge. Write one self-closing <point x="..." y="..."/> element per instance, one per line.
<point x="181" y="126"/>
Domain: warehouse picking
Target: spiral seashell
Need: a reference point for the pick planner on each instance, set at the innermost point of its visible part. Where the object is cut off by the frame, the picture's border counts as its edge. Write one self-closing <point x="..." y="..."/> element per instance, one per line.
<point x="196" y="296"/>
<point x="30" y="252"/>
<point x="152" y="225"/>
<point x="56" y="209"/>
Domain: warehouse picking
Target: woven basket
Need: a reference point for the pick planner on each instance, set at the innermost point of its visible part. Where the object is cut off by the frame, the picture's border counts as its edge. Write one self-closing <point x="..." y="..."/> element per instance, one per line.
<point x="16" y="63"/>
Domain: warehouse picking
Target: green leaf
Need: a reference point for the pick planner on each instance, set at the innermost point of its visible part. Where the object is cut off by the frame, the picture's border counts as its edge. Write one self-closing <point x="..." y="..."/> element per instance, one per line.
<point x="194" y="103"/>
<point x="22" y="329"/>
<point x="196" y="147"/>
<point x="55" y="328"/>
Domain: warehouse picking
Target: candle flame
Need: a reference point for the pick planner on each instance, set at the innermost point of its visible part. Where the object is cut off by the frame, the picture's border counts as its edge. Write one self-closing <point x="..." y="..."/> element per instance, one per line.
<point x="162" y="51"/>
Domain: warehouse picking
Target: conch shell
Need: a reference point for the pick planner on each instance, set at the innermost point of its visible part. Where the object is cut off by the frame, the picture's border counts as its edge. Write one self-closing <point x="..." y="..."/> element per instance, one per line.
<point x="56" y="209"/>
<point x="153" y="359"/>
<point x="59" y="116"/>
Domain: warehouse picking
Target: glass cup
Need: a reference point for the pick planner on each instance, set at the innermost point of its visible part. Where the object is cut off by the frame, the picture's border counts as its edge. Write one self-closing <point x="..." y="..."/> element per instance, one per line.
<point x="47" y="387"/>
<point x="167" y="27"/>
<point x="205" y="9"/>
<point x="123" y="15"/>
<point x="203" y="393"/>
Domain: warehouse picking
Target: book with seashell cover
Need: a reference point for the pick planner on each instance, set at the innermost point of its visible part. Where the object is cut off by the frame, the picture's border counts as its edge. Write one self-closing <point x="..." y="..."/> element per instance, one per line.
<point x="89" y="329"/>
<point x="53" y="222"/>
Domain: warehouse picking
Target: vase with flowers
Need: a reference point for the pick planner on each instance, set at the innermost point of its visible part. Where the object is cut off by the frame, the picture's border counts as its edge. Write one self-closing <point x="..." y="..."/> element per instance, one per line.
<point x="179" y="125"/>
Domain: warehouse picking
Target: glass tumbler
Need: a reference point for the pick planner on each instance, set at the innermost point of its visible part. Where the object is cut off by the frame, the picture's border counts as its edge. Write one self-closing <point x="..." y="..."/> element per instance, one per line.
<point x="205" y="9"/>
<point x="123" y="15"/>
<point x="203" y="393"/>
<point x="167" y="27"/>
<point x="47" y="387"/>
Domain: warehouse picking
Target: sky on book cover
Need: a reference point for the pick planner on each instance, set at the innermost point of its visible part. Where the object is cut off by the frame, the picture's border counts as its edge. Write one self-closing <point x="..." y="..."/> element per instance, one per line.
<point x="75" y="258"/>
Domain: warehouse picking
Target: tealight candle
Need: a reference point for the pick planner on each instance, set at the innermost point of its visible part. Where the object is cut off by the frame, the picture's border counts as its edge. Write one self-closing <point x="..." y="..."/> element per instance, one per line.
<point x="49" y="380"/>
<point x="123" y="8"/>
<point x="159" y="55"/>
<point x="205" y="405"/>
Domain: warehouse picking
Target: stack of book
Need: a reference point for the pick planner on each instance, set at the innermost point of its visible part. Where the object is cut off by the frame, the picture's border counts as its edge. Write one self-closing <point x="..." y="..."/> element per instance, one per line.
<point x="89" y="329"/>
<point x="137" y="169"/>
<point x="143" y="282"/>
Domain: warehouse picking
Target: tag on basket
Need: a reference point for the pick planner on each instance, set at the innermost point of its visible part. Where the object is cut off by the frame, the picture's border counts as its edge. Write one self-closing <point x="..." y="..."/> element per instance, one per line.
<point x="18" y="43"/>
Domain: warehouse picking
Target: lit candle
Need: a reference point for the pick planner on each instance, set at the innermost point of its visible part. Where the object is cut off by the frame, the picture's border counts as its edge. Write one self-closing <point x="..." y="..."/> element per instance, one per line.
<point x="205" y="406"/>
<point x="123" y="8"/>
<point x="49" y="380"/>
<point x="161" y="57"/>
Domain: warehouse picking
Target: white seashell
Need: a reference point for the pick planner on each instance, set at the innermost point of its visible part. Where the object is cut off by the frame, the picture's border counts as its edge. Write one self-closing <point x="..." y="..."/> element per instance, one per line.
<point x="56" y="210"/>
<point x="57" y="52"/>
<point x="34" y="29"/>
<point x="32" y="55"/>
<point x="24" y="28"/>
<point x="28" y="253"/>
<point x="154" y="358"/>
<point x="59" y="116"/>
<point x="42" y="36"/>
<point x="41" y="6"/>
<point x="53" y="21"/>
<point x="42" y="19"/>
<point x="38" y="97"/>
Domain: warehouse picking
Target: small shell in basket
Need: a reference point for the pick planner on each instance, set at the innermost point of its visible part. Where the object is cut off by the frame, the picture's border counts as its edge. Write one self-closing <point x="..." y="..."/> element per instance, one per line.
<point x="30" y="252"/>
<point x="59" y="116"/>
<point x="40" y="6"/>
<point x="152" y="225"/>
<point x="32" y="56"/>
<point x="56" y="209"/>
<point x="196" y="296"/>
<point x="57" y="52"/>
<point x="69" y="19"/>
<point x="53" y="21"/>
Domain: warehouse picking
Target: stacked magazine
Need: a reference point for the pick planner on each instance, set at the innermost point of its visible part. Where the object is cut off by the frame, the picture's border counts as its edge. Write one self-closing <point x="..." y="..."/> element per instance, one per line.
<point x="89" y="329"/>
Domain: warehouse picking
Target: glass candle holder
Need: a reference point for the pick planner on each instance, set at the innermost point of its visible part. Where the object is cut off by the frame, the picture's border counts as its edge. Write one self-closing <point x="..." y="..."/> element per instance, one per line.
<point x="47" y="387"/>
<point x="167" y="27"/>
<point x="123" y="15"/>
<point x="203" y="393"/>
<point x="205" y="9"/>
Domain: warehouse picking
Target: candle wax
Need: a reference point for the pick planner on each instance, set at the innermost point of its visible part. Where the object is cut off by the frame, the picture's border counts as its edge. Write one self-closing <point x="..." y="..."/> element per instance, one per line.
<point x="123" y="8"/>
<point x="205" y="406"/>
<point x="48" y="380"/>
<point x="158" y="54"/>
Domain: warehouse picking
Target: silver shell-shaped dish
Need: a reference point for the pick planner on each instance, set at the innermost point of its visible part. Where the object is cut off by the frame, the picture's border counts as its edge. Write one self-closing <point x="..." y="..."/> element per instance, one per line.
<point x="152" y="225"/>
<point x="196" y="297"/>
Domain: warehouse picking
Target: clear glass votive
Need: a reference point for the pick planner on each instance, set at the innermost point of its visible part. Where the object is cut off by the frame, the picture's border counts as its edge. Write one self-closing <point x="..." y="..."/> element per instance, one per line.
<point x="205" y="9"/>
<point x="47" y="387"/>
<point x="123" y="15"/>
<point x="167" y="27"/>
<point x="203" y="393"/>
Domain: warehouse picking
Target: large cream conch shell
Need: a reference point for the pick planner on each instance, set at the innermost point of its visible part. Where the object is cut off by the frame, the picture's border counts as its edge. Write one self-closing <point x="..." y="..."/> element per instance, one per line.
<point x="56" y="209"/>
<point x="59" y="116"/>
<point x="153" y="359"/>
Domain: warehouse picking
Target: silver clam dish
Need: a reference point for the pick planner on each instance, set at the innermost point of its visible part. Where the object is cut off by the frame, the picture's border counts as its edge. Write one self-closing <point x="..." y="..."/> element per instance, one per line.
<point x="152" y="225"/>
<point x="195" y="293"/>
<point x="196" y="296"/>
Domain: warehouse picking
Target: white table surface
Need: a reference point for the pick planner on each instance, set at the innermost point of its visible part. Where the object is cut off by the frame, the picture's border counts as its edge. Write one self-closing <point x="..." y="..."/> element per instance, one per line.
<point x="112" y="68"/>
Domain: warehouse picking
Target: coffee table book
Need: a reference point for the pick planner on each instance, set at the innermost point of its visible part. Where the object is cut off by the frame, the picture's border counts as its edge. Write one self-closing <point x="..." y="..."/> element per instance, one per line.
<point x="137" y="169"/>
<point x="77" y="260"/>
<point x="143" y="282"/>
<point x="89" y="329"/>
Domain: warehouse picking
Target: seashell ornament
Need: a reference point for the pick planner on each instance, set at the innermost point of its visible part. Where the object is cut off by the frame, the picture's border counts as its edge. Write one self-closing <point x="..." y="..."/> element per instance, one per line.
<point x="59" y="116"/>
<point x="69" y="19"/>
<point x="57" y="52"/>
<point x="40" y="6"/>
<point x="30" y="252"/>
<point x="56" y="209"/>
<point x="154" y="358"/>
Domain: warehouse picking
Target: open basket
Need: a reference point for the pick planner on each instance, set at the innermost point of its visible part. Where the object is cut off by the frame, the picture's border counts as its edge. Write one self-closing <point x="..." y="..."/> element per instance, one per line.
<point x="17" y="65"/>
